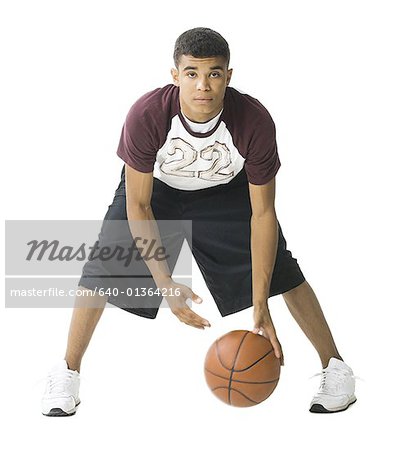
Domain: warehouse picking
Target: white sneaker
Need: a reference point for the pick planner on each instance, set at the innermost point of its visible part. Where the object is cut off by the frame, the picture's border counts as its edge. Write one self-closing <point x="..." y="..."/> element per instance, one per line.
<point x="61" y="396"/>
<point x="337" y="388"/>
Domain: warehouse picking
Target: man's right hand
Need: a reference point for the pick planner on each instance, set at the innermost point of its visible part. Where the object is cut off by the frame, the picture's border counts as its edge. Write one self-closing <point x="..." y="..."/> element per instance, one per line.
<point x="178" y="306"/>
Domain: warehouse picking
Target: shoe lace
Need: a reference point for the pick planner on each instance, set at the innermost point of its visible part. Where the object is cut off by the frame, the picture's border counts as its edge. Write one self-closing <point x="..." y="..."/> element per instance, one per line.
<point x="43" y="380"/>
<point x="58" y="381"/>
<point x="332" y="379"/>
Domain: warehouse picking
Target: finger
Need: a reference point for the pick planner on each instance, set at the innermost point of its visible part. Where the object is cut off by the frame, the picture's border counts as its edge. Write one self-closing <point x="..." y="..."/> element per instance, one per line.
<point x="282" y="358"/>
<point x="274" y="341"/>
<point x="190" y="317"/>
<point x="201" y="320"/>
<point x="277" y="348"/>
<point x="190" y="323"/>
<point x="196" y="298"/>
<point x="194" y="324"/>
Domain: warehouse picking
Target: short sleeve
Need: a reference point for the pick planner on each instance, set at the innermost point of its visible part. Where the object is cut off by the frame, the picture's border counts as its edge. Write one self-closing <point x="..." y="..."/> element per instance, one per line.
<point x="262" y="161"/>
<point x="137" y="147"/>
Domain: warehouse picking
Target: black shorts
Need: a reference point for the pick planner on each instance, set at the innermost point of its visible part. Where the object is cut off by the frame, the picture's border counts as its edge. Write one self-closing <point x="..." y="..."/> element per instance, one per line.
<point x="220" y="244"/>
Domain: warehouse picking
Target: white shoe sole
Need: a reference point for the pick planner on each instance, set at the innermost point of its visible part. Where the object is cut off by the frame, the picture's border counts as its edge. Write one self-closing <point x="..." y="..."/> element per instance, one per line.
<point x="318" y="408"/>
<point x="58" y="412"/>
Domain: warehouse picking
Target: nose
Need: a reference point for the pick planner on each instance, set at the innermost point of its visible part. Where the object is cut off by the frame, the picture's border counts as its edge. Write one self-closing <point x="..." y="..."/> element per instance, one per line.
<point x="203" y="84"/>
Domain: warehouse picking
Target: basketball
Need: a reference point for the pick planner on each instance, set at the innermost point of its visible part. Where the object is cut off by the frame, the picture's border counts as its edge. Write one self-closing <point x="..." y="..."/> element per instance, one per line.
<point x="241" y="368"/>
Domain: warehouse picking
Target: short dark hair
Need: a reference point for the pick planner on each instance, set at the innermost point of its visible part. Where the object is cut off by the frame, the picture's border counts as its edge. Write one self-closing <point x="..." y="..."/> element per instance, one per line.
<point x="201" y="43"/>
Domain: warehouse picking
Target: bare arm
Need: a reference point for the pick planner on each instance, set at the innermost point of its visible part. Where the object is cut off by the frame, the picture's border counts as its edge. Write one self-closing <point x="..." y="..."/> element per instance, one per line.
<point x="264" y="239"/>
<point x="264" y="246"/>
<point x="139" y="188"/>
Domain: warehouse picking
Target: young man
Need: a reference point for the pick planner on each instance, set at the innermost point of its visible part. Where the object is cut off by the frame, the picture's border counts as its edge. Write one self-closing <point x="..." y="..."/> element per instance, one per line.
<point x="198" y="150"/>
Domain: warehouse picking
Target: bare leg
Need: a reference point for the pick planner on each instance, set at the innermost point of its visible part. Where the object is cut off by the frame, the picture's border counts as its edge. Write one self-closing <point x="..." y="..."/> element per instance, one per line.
<point x="305" y="309"/>
<point x="86" y="314"/>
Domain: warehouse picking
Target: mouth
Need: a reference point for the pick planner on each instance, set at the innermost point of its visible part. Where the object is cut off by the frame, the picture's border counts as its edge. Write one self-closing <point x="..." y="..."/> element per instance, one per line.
<point x="203" y="100"/>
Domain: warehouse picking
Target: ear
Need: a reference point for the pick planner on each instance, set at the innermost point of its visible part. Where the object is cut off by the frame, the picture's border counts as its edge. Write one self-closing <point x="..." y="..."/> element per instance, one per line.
<point x="229" y="74"/>
<point x="175" y="74"/>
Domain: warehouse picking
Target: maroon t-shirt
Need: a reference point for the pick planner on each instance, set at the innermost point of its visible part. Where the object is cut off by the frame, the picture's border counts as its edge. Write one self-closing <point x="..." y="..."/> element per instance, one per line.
<point x="157" y="138"/>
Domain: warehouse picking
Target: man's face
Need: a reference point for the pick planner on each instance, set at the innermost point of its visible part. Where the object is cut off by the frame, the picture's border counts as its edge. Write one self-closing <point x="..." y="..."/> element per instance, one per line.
<point x="202" y="83"/>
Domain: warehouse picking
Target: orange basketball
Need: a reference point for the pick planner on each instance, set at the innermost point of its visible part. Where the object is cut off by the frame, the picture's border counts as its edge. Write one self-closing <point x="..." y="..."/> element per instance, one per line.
<point x="241" y="368"/>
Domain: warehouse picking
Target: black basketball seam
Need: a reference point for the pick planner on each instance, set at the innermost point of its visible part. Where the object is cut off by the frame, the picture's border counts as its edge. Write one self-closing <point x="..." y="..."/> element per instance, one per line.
<point x="242" y="381"/>
<point x="256" y="382"/>
<point x="250" y="399"/>
<point x="219" y="387"/>
<point x="218" y="356"/>
<point x="234" y="363"/>
<point x="253" y="364"/>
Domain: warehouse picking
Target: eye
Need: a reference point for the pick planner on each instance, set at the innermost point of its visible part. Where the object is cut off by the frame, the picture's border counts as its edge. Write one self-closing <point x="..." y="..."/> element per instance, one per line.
<point x="191" y="74"/>
<point x="215" y="74"/>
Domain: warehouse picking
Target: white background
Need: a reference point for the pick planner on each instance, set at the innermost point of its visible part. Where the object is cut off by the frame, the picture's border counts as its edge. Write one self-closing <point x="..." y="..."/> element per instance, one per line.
<point x="330" y="73"/>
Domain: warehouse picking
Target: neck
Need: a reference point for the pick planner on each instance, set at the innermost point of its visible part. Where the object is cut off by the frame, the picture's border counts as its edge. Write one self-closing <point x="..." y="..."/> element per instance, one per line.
<point x="199" y="117"/>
